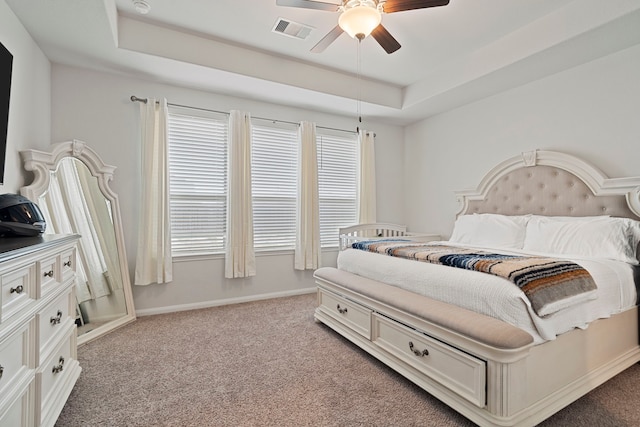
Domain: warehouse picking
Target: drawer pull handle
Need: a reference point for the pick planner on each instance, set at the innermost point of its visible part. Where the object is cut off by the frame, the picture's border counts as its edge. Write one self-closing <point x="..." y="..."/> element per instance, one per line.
<point x="67" y="264"/>
<point x="59" y="367"/>
<point x="56" y="320"/>
<point x="417" y="352"/>
<point x="341" y="310"/>
<point x="48" y="273"/>
<point x="1" y="370"/>
<point x="18" y="289"/>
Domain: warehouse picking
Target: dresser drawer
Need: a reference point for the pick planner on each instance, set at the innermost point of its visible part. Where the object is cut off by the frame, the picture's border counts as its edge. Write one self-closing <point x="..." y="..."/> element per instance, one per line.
<point x="17" y="412"/>
<point x="15" y="360"/>
<point x="18" y="290"/>
<point x="345" y="311"/>
<point x="53" y="320"/>
<point x="68" y="264"/>
<point x="49" y="276"/>
<point x="55" y="378"/>
<point x="458" y="371"/>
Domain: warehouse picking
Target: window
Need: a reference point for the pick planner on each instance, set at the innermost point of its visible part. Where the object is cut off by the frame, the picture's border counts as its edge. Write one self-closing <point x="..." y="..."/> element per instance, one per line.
<point x="273" y="169"/>
<point x="198" y="182"/>
<point x="337" y="183"/>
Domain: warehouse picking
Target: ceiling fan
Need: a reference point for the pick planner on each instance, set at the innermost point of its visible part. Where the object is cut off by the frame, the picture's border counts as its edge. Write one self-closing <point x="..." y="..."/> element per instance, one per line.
<point x="360" y="18"/>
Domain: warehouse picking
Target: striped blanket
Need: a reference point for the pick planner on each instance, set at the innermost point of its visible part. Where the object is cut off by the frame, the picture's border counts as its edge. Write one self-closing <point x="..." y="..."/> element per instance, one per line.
<point x="546" y="282"/>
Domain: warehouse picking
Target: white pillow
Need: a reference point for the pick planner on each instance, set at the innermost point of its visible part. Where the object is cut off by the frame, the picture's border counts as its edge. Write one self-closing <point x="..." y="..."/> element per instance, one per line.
<point x="490" y="230"/>
<point x="594" y="237"/>
<point x="570" y="218"/>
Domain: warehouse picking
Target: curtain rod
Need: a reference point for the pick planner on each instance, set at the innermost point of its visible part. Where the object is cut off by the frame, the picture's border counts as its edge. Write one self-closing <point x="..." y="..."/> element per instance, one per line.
<point x="144" y="101"/>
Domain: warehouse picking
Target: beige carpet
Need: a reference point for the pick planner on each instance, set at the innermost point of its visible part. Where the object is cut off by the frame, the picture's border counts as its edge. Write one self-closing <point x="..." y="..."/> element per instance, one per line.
<point x="268" y="363"/>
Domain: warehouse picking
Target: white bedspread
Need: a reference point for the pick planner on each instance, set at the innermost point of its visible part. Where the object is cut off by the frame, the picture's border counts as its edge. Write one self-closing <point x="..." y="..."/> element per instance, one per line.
<point x="495" y="296"/>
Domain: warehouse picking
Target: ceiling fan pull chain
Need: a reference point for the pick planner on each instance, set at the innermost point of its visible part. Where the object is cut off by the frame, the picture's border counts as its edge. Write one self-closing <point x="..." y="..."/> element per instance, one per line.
<point x="359" y="87"/>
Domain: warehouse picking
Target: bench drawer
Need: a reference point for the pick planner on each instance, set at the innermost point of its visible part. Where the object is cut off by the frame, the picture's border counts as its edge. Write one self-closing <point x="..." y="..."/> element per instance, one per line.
<point x="458" y="371"/>
<point x="351" y="314"/>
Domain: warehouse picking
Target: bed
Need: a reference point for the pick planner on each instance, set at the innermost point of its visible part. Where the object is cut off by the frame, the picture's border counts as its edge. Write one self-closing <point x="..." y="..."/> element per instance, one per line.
<point x="501" y="364"/>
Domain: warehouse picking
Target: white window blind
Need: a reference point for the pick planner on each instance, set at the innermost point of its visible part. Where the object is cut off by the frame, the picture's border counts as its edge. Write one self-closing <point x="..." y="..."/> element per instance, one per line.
<point x="337" y="183"/>
<point x="273" y="169"/>
<point x="198" y="182"/>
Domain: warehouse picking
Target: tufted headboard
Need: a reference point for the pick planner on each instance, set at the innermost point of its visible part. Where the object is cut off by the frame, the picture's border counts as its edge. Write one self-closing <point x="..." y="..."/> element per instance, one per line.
<point x="552" y="184"/>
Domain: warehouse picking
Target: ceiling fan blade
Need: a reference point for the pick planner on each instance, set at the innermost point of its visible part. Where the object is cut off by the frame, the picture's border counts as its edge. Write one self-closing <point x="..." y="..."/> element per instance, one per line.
<point x="391" y="6"/>
<point x="385" y="39"/>
<point x="309" y="4"/>
<point x="327" y="40"/>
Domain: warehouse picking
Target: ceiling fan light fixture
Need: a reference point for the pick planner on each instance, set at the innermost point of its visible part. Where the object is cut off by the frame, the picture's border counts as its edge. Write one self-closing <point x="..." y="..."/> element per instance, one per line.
<point x="359" y="21"/>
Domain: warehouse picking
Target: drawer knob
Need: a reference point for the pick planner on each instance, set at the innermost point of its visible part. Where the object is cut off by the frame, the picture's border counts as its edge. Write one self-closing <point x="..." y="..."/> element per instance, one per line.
<point x="67" y="263"/>
<point x="341" y="310"/>
<point x="18" y="289"/>
<point x="417" y="352"/>
<point x="1" y="370"/>
<point x="56" y="320"/>
<point x="59" y="367"/>
<point x="48" y="273"/>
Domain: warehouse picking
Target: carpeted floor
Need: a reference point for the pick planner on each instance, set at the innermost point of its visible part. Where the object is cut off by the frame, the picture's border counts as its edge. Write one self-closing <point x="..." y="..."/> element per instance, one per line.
<point x="267" y="363"/>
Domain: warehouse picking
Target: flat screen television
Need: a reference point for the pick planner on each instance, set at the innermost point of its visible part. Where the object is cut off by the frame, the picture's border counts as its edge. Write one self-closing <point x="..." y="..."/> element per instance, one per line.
<point x="6" y="65"/>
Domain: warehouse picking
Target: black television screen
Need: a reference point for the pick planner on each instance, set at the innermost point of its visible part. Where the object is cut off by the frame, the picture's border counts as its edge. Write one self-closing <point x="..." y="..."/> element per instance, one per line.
<point x="6" y="65"/>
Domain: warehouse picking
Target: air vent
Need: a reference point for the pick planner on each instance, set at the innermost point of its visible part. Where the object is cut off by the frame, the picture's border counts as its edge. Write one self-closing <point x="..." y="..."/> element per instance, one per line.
<point x="292" y="29"/>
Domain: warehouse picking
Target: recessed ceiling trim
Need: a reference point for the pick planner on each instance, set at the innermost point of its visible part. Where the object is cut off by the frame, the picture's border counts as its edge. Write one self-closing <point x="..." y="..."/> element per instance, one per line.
<point x="151" y="39"/>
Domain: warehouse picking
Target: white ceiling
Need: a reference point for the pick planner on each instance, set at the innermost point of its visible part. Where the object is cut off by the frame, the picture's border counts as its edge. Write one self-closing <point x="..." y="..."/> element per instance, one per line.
<point x="450" y="55"/>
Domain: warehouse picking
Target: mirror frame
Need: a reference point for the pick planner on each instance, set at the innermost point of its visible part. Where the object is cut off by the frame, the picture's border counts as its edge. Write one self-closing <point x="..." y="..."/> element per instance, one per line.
<point x="42" y="164"/>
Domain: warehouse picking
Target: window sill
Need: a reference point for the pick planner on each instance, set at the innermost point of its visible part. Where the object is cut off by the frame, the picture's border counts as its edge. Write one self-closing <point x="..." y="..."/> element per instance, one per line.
<point x="275" y="252"/>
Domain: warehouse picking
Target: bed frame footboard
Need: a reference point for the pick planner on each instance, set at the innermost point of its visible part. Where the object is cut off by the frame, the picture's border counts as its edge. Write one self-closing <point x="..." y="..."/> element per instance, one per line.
<point x="487" y="370"/>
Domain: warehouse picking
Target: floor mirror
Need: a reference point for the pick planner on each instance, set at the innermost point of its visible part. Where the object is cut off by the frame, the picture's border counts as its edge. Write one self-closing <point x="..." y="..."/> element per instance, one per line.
<point x="71" y="187"/>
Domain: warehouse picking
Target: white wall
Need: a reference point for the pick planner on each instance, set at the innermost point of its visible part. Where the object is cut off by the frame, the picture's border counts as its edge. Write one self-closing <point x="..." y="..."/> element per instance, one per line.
<point x="30" y="104"/>
<point x="95" y="107"/>
<point x="591" y="111"/>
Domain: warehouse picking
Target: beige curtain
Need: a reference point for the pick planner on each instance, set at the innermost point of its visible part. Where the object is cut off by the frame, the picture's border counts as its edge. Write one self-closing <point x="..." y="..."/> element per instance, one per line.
<point x="366" y="194"/>
<point x="153" y="260"/>
<point x="307" y="250"/>
<point x="240" y="259"/>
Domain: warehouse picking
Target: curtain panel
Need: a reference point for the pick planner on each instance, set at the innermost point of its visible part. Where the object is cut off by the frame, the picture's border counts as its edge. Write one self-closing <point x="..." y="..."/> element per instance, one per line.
<point x="366" y="194"/>
<point x="307" y="249"/>
<point x="240" y="259"/>
<point x="153" y="259"/>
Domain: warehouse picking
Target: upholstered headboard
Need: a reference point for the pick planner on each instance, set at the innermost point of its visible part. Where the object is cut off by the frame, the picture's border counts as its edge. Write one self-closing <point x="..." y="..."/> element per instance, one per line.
<point x="553" y="184"/>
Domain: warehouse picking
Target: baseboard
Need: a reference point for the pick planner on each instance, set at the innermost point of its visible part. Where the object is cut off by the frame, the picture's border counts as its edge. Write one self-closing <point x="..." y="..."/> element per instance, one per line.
<point x="217" y="303"/>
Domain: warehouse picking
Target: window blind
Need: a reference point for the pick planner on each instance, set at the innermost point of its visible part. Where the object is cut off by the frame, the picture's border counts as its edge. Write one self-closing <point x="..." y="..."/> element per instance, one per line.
<point x="273" y="168"/>
<point x="198" y="183"/>
<point x="337" y="184"/>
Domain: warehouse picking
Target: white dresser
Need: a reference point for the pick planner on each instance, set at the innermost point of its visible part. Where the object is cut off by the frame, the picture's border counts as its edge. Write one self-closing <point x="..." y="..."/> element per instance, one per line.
<point x="38" y="354"/>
